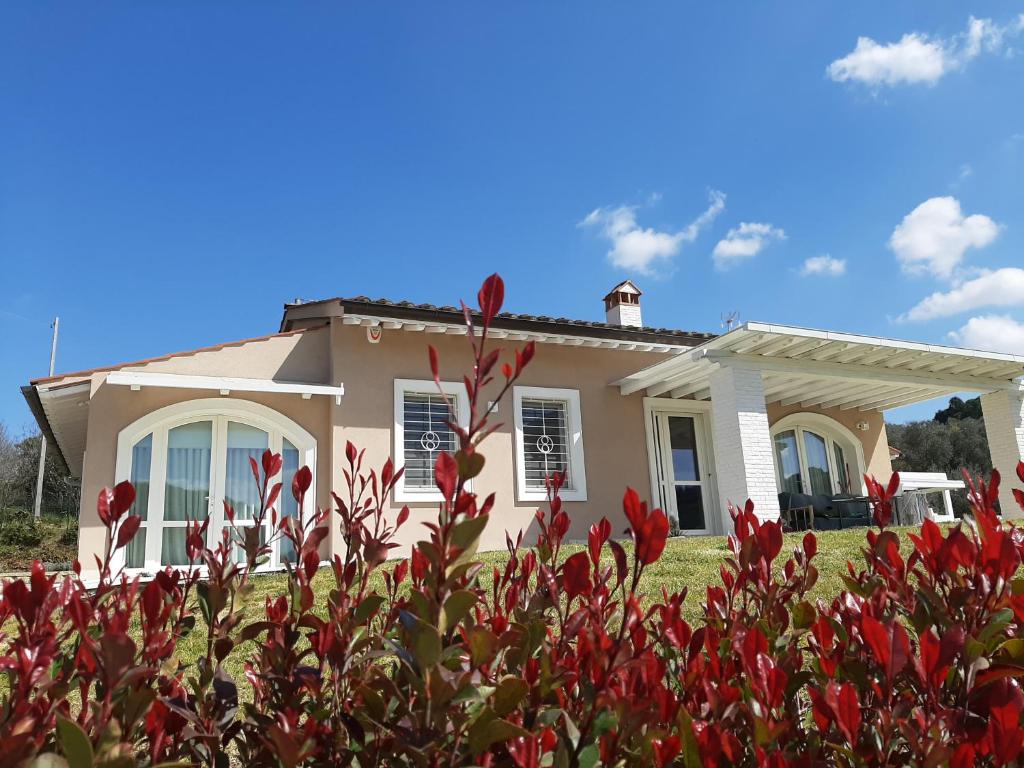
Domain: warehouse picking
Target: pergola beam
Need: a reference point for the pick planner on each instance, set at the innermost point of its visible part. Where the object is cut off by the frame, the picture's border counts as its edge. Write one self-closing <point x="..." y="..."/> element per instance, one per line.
<point x="813" y="369"/>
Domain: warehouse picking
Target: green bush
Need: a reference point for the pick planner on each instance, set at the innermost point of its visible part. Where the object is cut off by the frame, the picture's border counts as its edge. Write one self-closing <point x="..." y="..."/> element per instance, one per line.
<point x="20" y="530"/>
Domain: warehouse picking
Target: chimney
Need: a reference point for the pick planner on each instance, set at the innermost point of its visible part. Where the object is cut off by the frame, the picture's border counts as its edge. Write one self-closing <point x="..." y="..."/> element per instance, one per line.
<point x="622" y="305"/>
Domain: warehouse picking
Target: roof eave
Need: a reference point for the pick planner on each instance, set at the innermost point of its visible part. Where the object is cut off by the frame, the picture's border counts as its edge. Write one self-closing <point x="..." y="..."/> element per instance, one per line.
<point x="31" y="395"/>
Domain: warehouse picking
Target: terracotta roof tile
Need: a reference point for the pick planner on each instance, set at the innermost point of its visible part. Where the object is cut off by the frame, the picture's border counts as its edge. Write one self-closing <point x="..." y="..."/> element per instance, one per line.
<point x="564" y="324"/>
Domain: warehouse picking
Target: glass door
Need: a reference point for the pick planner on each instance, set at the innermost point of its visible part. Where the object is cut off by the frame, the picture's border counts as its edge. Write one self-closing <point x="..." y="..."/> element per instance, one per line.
<point x="679" y="440"/>
<point x="244" y="443"/>
<point x="186" y="488"/>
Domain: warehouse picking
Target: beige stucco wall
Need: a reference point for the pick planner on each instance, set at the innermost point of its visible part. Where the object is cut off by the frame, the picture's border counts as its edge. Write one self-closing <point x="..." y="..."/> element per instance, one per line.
<point x="298" y="356"/>
<point x="613" y="426"/>
<point x="874" y="440"/>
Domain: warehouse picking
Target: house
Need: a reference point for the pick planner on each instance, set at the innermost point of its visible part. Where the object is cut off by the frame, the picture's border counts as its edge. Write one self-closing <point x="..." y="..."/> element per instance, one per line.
<point x="693" y="420"/>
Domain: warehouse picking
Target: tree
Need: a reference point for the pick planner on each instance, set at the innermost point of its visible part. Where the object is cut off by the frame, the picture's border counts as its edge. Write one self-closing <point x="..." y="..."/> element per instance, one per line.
<point x="19" y="464"/>
<point x="8" y="459"/>
<point x="953" y="441"/>
<point x="960" y="409"/>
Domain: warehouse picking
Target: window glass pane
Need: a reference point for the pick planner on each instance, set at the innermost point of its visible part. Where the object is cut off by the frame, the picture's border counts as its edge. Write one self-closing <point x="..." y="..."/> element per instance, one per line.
<point x="142" y="459"/>
<point x="842" y="471"/>
<point x="244" y="443"/>
<point x="817" y="464"/>
<point x="187" y="492"/>
<point x="788" y="460"/>
<point x="426" y="435"/>
<point x="683" y="440"/>
<point x="545" y="441"/>
<point x="289" y="506"/>
<point x="172" y="551"/>
<point x="690" y="507"/>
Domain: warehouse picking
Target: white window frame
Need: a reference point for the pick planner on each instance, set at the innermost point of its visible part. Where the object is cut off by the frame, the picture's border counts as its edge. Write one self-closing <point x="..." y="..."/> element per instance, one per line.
<point x="219" y="411"/>
<point x="832" y="432"/>
<point x="574" y="428"/>
<point x="454" y="390"/>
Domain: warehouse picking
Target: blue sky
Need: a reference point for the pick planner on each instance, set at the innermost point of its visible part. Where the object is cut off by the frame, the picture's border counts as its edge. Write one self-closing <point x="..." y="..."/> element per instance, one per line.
<point x="170" y="174"/>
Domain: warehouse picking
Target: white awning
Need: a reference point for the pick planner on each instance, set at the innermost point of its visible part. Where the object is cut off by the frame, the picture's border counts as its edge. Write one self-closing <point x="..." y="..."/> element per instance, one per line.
<point x="827" y="369"/>
<point x="223" y="384"/>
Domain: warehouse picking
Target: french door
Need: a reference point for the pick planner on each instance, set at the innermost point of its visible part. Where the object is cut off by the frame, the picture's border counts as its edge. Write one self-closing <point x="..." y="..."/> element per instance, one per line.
<point x="681" y="471"/>
<point x="185" y="468"/>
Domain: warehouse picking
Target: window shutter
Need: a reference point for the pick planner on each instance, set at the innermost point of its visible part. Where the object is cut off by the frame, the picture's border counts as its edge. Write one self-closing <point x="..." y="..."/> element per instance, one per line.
<point x="545" y="441"/>
<point x="426" y="434"/>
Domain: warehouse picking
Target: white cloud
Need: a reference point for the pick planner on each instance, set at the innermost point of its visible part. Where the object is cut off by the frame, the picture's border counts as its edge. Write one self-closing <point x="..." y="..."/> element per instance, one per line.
<point x="824" y="265"/>
<point x="919" y="58"/>
<point x="993" y="333"/>
<point x="935" y="235"/>
<point x="744" y="242"/>
<point x="640" y="249"/>
<point x="1001" y="288"/>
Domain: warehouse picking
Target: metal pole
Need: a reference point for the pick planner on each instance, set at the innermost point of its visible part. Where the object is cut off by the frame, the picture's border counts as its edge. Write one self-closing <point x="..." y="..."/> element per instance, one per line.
<point x="37" y="503"/>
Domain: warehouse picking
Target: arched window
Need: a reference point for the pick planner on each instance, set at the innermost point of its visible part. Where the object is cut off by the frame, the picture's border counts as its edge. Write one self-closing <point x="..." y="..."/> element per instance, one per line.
<point x="187" y="458"/>
<point x="816" y="455"/>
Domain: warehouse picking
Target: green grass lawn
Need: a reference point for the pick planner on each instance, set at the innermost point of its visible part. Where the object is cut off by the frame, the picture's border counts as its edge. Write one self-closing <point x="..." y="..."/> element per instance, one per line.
<point x="687" y="562"/>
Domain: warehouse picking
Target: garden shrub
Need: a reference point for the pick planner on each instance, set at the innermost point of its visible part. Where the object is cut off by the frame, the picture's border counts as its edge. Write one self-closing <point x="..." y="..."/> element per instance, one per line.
<point x="559" y="662"/>
<point x="20" y="530"/>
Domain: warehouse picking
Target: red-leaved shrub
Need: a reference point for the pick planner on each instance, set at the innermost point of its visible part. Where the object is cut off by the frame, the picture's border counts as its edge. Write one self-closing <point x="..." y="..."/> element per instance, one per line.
<point x="558" y="661"/>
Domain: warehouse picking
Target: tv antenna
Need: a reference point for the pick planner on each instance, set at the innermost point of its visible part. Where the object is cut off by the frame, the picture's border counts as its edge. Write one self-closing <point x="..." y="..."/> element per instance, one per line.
<point x="730" y="319"/>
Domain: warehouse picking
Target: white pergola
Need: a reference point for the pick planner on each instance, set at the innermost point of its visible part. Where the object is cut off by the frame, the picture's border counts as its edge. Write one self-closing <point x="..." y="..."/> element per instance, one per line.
<point x="743" y="370"/>
<point x="827" y="369"/>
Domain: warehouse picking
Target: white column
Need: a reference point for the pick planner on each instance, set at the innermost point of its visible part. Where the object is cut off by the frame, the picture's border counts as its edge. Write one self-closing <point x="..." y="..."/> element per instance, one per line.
<point x="1004" y="425"/>
<point x="743" y="444"/>
<point x="947" y="503"/>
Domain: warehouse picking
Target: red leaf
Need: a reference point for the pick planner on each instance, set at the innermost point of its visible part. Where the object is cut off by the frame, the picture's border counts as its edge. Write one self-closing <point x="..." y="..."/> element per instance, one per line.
<point x="272" y="463"/>
<point x="963" y="757"/>
<point x="560" y="525"/>
<point x="403" y="515"/>
<point x="446" y="474"/>
<point x="769" y="538"/>
<point x="651" y="538"/>
<point x="877" y="639"/>
<point x="635" y="510"/>
<point x="350" y="452"/>
<point x="127" y="530"/>
<point x="301" y="483"/>
<point x="401" y="571"/>
<point x="1020" y="470"/>
<point x="576" y="575"/>
<point x="594" y="543"/>
<point x="621" y="564"/>
<point x="103" y="501"/>
<point x="810" y="545"/>
<point x="842" y="699"/>
<point x="433" y="361"/>
<point x="491" y="297"/>
<point x="124" y="497"/>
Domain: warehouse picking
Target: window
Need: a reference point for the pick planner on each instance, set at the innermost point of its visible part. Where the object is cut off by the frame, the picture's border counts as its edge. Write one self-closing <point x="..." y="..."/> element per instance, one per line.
<point x="787" y="458"/>
<point x="186" y="458"/>
<point x="549" y="439"/>
<point x="422" y="432"/>
<point x="813" y="455"/>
